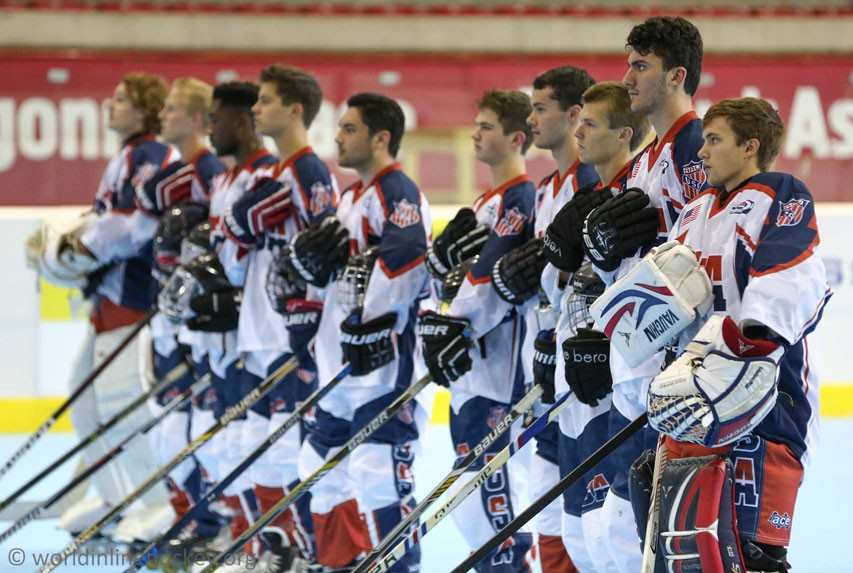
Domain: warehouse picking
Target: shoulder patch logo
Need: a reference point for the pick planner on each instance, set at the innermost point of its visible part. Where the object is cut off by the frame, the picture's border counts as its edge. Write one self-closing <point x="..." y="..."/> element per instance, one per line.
<point x="693" y="178"/>
<point x="742" y="208"/>
<point x="512" y="223"/>
<point x="791" y="212"/>
<point x="405" y="214"/>
<point x="322" y="198"/>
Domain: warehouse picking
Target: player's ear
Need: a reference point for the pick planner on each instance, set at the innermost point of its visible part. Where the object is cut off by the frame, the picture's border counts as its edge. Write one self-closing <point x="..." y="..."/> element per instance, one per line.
<point x="625" y="134"/>
<point x="677" y="75"/>
<point x="751" y="147"/>
<point x="574" y="112"/>
<point x="381" y="139"/>
<point x="518" y="139"/>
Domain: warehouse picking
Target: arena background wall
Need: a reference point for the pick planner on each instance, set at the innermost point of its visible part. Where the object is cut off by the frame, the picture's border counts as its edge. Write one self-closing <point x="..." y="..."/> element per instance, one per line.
<point x="61" y="60"/>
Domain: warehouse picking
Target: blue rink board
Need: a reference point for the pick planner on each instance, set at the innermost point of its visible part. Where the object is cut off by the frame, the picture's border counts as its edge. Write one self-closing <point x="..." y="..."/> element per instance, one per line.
<point x="821" y="535"/>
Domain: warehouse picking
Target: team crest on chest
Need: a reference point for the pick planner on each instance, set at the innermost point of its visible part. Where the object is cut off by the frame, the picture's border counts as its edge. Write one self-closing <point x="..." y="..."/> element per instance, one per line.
<point x="405" y="214"/>
<point x="791" y="212"/>
<point x="511" y="223"/>
<point x="321" y="198"/>
<point x="693" y="178"/>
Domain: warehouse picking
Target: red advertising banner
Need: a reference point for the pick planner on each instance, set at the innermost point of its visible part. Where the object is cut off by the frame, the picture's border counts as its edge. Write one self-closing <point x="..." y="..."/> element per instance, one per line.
<point x="54" y="144"/>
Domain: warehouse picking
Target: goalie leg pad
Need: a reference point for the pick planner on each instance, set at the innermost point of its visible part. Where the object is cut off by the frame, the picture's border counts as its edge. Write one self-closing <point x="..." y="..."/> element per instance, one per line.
<point x="697" y="524"/>
<point x="656" y="300"/>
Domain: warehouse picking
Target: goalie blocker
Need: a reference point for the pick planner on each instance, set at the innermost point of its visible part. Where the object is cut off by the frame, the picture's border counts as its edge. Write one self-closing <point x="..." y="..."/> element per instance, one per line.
<point x="655" y="301"/>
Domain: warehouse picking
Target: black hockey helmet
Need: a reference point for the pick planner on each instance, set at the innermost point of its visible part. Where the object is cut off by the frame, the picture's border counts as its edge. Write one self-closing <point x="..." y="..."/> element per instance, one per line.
<point x="454" y="278"/>
<point x="586" y="288"/>
<point x="175" y="225"/>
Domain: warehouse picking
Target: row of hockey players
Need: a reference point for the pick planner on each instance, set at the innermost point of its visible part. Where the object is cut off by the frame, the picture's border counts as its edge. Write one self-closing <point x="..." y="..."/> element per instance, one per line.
<point x="701" y="264"/>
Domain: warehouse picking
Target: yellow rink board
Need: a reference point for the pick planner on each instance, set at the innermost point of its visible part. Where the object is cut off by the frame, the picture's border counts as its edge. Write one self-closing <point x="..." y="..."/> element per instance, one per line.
<point x="24" y="415"/>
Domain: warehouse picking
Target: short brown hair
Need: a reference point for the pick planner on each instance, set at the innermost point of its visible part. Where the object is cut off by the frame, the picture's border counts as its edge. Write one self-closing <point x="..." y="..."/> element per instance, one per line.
<point x="197" y="95"/>
<point x="751" y="118"/>
<point x="295" y="86"/>
<point x="512" y="108"/>
<point x="619" y="113"/>
<point x="147" y="93"/>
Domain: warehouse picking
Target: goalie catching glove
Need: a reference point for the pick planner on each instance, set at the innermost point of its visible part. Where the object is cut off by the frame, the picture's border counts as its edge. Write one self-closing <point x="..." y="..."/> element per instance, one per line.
<point x="462" y="239"/>
<point x="619" y="227"/>
<point x="563" y="238"/>
<point x="719" y="389"/>
<point x="318" y="252"/>
<point x="656" y="300"/>
<point x="62" y="258"/>
<point x="516" y="275"/>
<point x="445" y="347"/>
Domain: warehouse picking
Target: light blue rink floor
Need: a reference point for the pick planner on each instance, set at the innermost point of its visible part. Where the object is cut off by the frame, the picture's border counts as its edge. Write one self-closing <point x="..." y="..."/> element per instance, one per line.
<point x="822" y="538"/>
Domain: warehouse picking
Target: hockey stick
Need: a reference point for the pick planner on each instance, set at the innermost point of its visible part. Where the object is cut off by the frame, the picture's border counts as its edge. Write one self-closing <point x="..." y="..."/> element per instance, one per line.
<point x="552" y="494"/>
<point x="173" y="404"/>
<point x="409" y="540"/>
<point x="518" y="410"/>
<point x="230" y="414"/>
<point x="90" y="379"/>
<point x="650" y="549"/>
<point x="299" y="490"/>
<point x="155" y="546"/>
<point x="179" y="371"/>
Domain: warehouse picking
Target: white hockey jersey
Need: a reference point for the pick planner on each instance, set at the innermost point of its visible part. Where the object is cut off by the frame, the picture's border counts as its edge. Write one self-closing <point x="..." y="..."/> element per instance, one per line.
<point x="391" y="213"/>
<point x="758" y="244"/>
<point x="496" y="326"/>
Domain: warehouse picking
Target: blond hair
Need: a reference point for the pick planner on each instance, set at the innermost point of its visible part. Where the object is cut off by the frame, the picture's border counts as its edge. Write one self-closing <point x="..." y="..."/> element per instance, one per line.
<point x="197" y="95"/>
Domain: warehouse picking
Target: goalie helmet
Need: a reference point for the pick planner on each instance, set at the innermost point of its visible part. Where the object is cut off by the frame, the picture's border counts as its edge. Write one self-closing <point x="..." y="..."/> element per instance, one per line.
<point x="197" y="243"/>
<point x="353" y="282"/>
<point x="453" y="280"/>
<point x="174" y="225"/>
<point x="586" y="288"/>
<point x="202" y="275"/>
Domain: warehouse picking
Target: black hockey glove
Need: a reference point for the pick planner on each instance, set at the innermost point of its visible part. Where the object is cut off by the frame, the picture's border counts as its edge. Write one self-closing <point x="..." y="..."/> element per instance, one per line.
<point x="587" y="359"/>
<point x="563" y="239"/>
<point x="368" y="345"/>
<point x="216" y="311"/>
<point x="320" y="251"/>
<point x="516" y="275"/>
<point x="544" y="363"/>
<point x="445" y="347"/>
<point x="618" y="228"/>
<point x="302" y="318"/>
<point x="461" y="239"/>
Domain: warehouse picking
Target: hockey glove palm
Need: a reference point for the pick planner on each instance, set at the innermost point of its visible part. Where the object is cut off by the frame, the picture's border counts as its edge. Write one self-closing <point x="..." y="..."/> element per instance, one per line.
<point x="516" y="275"/>
<point x="545" y="363"/>
<point x="587" y="359"/>
<point x="618" y="228"/>
<point x="563" y="239"/>
<point x="368" y="345"/>
<point x="445" y="347"/>
<point x="461" y="239"/>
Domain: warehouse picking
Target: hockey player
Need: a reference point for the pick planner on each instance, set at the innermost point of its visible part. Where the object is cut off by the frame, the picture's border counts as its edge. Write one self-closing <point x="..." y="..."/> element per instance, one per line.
<point x="106" y="257"/>
<point x="665" y="57"/>
<point x="295" y="193"/>
<point x="184" y="120"/>
<point x="744" y="387"/>
<point x="475" y="346"/>
<point x="232" y="134"/>
<point x="556" y="104"/>
<point x="368" y="320"/>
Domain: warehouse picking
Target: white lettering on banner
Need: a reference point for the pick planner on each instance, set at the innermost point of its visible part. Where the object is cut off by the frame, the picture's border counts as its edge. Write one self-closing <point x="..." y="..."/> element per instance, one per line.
<point x="37" y="128"/>
<point x="7" y="133"/>
<point x="841" y="121"/>
<point x="80" y="119"/>
<point x="806" y="125"/>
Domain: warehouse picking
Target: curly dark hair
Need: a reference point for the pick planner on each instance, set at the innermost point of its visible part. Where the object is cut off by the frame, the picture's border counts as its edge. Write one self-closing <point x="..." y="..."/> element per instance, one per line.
<point x="675" y="41"/>
<point x="381" y="113"/>
<point x="567" y="84"/>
